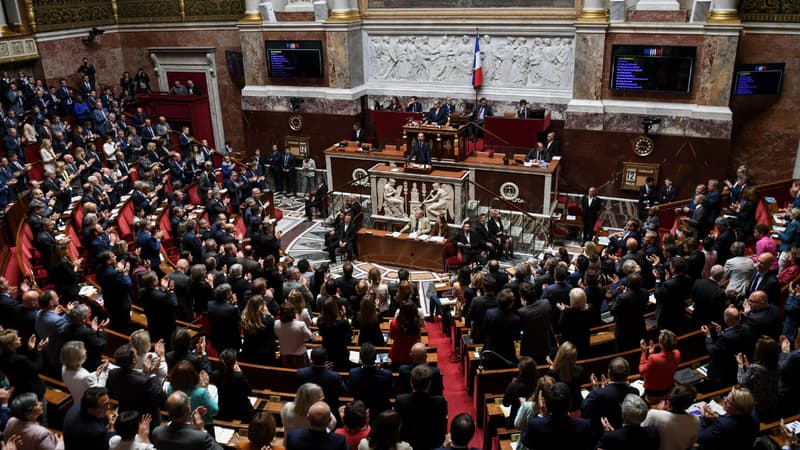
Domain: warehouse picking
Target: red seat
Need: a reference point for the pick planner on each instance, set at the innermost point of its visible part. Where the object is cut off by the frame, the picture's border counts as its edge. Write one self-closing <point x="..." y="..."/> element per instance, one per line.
<point x="452" y="257"/>
<point x="194" y="198"/>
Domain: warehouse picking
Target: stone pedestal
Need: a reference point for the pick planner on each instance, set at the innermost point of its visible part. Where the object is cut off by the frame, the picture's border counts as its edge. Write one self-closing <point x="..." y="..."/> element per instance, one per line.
<point x="320" y="10"/>
<point x="700" y="11"/>
<point x="299" y="6"/>
<point x="618" y="8"/>
<point x="267" y="10"/>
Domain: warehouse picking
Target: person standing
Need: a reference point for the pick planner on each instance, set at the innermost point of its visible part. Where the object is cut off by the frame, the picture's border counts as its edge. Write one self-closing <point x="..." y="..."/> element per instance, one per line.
<point x="591" y="205"/>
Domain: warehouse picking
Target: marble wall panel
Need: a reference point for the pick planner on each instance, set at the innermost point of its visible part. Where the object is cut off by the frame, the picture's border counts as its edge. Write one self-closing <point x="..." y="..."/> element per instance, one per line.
<point x="465" y="104"/>
<point x="312" y="105"/>
<point x="589" y="49"/>
<point x="716" y="67"/>
<point x="255" y="58"/>
<point x="765" y="132"/>
<point x="337" y="62"/>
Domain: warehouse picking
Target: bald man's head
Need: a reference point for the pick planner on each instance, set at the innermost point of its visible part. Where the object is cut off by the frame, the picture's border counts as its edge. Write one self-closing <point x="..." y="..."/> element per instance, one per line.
<point x="631" y="244"/>
<point x="419" y="354"/>
<point x="717" y="272"/>
<point x="178" y="406"/>
<point x="319" y="415"/>
<point x="758" y="300"/>
<point x="731" y="316"/>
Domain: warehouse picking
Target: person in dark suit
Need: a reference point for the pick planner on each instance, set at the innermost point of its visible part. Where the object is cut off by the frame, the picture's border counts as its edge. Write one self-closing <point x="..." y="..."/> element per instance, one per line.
<point x="670" y="296"/>
<point x="371" y="384"/>
<point x="648" y="195"/>
<point x="424" y="415"/>
<point x="713" y="202"/>
<point x="86" y="425"/>
<point x="557" y="430"/>
<point x="419" y="355"/>
<point x="552" y="145"/>
<point x="331" y="382"/>
<point x="191" y="243"/>
<point x="765" y="280"/>
<point x="116" y="286"/>
<point x="538" y="338"/>
<point x="709" y="298"/>
<point x="469" y="244"/>
<point x="523" y="112"/>
<point x="538" y="153"/>
<point x="606" y="396"/>
<point x="437" y="115"/>
<point x="180" y="434"/>
<point x="225" y="319"/>
<point x="136" y="390"/>
<point x="150" y="245"/>
<point x="420" y="152"/>
<point x="289" y="173"/>
<point x="558" y="292"/>
<point x="736" y="429"/>
<point x="343" y="237"/>
<point x="314" y="199"/>
<point x="479" y="115"/>
<point x="591" y="206"/>
<point x="628" y="311"/>
<point x="723" y="346"/>
<point x="502" y="327"/>
<point x="462" y="429"/>
<point x="632" y="436"/>
<point x="667" y="193"/>
<point x="316" y="436"/>
<point x="182" y="285"/>
<point x="358" y="134"/>
<point x="761" y="318"/>
<point x="414" y="105"/>
<point x="160" y="307"/>
<point x="478" y="307"/>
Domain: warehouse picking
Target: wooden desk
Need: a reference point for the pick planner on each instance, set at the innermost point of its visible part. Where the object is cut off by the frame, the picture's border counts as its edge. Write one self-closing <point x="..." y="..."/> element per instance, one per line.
<point x="378" y="246"/>
<point x="446" y="142"/>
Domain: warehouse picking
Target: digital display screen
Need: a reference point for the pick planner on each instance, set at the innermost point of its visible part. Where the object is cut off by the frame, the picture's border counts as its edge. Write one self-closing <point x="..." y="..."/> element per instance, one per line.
<point x="294" y="59"/>
<point x="652" y="68"/>
<point x="758" y="79"/>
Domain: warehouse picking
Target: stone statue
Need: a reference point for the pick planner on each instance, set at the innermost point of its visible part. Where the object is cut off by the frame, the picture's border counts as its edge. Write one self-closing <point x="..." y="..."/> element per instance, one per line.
<point x="392" y="199"/>
<point x="438" y="201"/>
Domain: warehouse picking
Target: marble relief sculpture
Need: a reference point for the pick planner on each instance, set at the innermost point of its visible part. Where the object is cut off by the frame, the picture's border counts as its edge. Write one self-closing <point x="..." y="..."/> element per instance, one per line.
<point x="392" y="198"/>
<point x="538" y="62"/>
<point x="439" y="201"/>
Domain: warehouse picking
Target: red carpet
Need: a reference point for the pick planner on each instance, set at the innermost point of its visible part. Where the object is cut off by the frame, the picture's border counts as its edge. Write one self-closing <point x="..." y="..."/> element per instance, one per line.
<point x="454" y="390"/>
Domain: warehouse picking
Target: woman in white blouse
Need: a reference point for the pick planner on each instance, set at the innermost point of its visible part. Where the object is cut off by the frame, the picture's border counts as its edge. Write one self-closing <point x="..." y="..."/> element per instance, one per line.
<point x="78" y="379"/>
<point x="48" y="156"/>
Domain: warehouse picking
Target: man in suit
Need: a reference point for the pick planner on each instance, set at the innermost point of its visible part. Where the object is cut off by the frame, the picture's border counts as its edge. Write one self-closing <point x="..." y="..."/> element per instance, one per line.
<point x="722" y="345"/>
<point x="488" y="242"/>
<point x="181" y="434"/>
<point x="150" y="245"/>
<point x="538" y="153"/>
<point x="557" y="430"/>
<point x="667" y="193"/>
<point x="136" y="390"/>
<point x="331" y="382"/>
<point x="414" y="105"/>
<point x="538" y="338"/>
<point x="647" y="195"/>
<point x="765" y="280"/>
<point x="498" y="232"/>
<point x="358" y="134"/>
<point x="478" y="118"/>
<point x="289" y="173"/>
<point x="628" y="311"/>
<point x="420" y="151"/>
<point x="606" y="396"/>
<point x="86" y="424"/>
<point x="437" y="115"/>
<point x="670" y="296"/>
<point x="417" y="224"/>
<point x="160" y="307"/>
<point x="502" y="327"/>
<point x="709" y="298"/>
<point x="462" y="429"/>
<point x="552" y="146"/>
<point x="724" y="239"/>
<point x="419" y="356"/>
<point x="478" y="307"/>
<point x="343" y="237"/>
<point x="371" y="384"/>
<point x="632" y="436"/>
<point x="713" y="201"/>
<point x="760" y="317"/>
<point x="116" y="286"/>
<point x="224" y="318"/>
<point x="523" y="112"/>
<point x="424" y="415"/>
<point x="469" y="244"/>
<point x="316" y="436"/>
<point x="591" y="206"/>
<point x="449" y="107"/>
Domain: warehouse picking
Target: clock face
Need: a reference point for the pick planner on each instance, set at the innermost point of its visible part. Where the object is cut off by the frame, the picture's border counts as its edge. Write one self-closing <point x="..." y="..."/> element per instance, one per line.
<point x="296" y="122"/>
<point x="643" y="146"/>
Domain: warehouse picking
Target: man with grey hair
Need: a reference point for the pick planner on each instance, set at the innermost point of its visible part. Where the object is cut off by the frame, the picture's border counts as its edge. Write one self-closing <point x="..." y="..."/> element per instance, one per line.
<point x="738" y="269"/>
<point x="186" y="429"/>
<point x="295" y="280"/>
<point x="709" y="298"/>
<point x="239" y="284"/>
<point x="632" y="434"/>
<point x="725" y="237"/>
<point x="224" y="318"/>
<point x="91" y="335"/>
<point x="182" y="287"/>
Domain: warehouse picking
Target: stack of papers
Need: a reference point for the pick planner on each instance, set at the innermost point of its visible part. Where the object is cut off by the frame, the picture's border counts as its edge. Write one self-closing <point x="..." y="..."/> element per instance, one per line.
<point x="639" y="385"/>
<point x="506" y="410"/>
<point x="423" y="237"/>
<point x="437" y="239"/>
<point x="224" y="435"/>
<point x="396" y="234"/>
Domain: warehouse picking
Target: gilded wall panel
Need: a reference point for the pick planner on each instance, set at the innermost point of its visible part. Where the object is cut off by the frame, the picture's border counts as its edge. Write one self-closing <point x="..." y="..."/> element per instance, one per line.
<point x="64" y="14"/>
<point x="214" y="9"/>
<point x="770" y="10"/>
<point x="143" y="11"/>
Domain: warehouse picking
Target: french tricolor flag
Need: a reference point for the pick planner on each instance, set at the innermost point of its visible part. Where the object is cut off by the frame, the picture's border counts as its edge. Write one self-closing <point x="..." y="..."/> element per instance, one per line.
<point x="477" y="71"/>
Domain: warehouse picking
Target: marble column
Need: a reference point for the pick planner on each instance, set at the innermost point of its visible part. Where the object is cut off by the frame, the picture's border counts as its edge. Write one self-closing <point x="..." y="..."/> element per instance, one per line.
<point x="251" y="13"/>
<point x="585" y="110"/>
<point x="343" y="10"/>
<point x="594" y="11"/>
<point x="254" y="56"/>
<point x="344" y="64"/>
<point x="724" y="12"/>
<point x="717" y="63"/>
